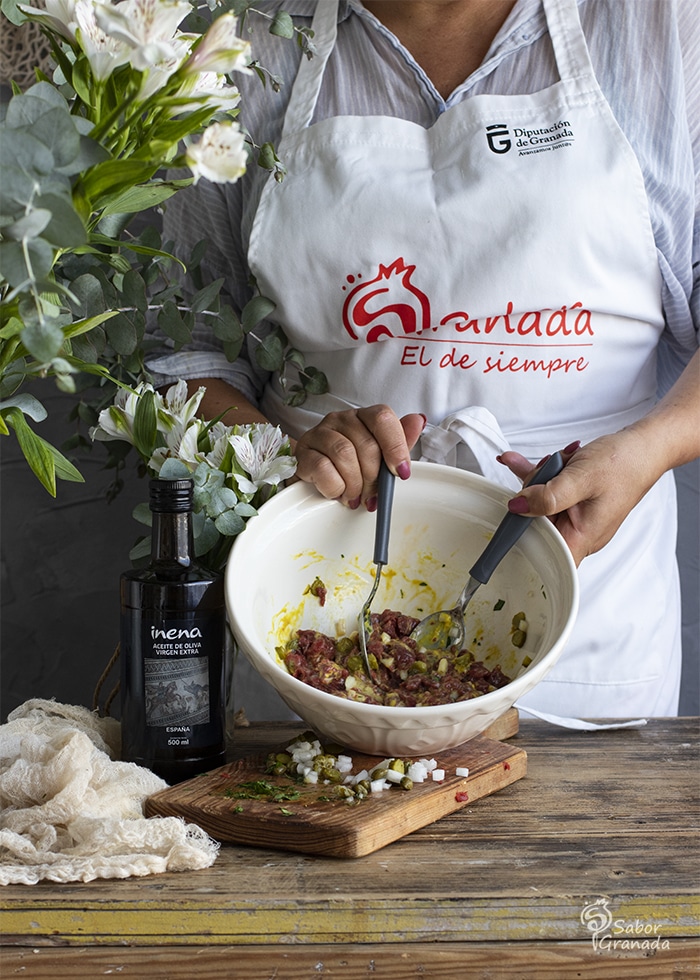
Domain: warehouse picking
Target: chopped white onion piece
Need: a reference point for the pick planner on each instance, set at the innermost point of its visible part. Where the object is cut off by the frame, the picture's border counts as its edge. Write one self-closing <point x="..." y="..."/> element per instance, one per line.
<point x="417" y="772"/>
<point x="377" y="785"/>
<point x="461" y="771"/>
<point x="438" y="775"/>
<point x="311" y="776"/>
<point x="394" y="776"/>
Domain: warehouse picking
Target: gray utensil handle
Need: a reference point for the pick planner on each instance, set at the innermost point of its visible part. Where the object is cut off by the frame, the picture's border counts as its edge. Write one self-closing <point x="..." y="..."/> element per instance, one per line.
<point x="512" y="526"/>
<point x="385" y="498"/>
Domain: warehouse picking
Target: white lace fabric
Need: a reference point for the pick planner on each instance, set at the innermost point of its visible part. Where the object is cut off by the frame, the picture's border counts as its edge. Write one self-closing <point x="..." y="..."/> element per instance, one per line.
<point x="70" y="812"/>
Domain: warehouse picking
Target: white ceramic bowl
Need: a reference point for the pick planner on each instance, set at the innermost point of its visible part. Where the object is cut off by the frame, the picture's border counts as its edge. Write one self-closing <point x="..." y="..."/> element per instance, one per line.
<point x="442" y="519"/>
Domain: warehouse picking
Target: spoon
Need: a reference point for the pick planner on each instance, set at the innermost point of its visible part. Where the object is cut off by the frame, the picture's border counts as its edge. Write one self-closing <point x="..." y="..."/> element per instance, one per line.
<point x="385" y="497"/>
<point x="443" y="629"/>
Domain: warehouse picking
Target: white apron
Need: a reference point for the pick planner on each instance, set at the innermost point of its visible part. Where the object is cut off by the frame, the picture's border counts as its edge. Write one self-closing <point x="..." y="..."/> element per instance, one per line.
<point x="498" y="273"/>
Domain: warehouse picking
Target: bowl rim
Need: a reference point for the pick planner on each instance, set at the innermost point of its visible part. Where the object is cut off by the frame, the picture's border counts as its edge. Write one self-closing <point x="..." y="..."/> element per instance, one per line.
<point x="307" y="493"/>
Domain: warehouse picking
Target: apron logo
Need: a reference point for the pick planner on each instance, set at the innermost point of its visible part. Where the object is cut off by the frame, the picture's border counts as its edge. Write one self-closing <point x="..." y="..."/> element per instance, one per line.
<point x="497" y="136"/>
<point x="387" y="306"/>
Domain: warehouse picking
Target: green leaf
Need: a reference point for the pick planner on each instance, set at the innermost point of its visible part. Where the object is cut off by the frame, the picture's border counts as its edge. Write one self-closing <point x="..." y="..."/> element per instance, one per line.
<point x="229" y="523"/>
<point x="122" y="334"/>
<point x="64" y="468"/>
<point x="134" y="291"/>
<point x="141" y="198"/>
<point x="34" y="449"/>
<point x="257" y="309"/>
<point x="315" y="381"/>
<point x="65" y="229"/>
<point x="79" y="327"/>
<point x="30" y="226"/>
<point x="270" y="353"/>
<point x="112" y="176"/>
<point x="28" y="405"/>
<point x="172" y="324"/>
<point x="282" y="25"/>
<point x="204" y="299"/>
<point x="43" y="340"/>
<point x="14" y="265"/>
<point x="145" y="424"/>
<point x="23" y="151"/>
<point x="174" y="469"/>
<point x="142" y="549"/>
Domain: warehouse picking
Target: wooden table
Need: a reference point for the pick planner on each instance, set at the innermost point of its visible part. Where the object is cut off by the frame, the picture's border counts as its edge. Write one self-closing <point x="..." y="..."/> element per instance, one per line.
<point x="496" y="890"/>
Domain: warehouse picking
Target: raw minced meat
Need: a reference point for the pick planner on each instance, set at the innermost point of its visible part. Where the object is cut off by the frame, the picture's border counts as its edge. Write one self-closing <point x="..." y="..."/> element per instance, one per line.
<point x="402" y="674"/>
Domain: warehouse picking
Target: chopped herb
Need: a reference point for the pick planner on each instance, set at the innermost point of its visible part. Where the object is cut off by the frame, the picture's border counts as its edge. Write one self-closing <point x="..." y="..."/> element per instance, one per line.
<point x="499" y="605"/>
<point x="287" y="813"/>
<point x="261" y="789"/>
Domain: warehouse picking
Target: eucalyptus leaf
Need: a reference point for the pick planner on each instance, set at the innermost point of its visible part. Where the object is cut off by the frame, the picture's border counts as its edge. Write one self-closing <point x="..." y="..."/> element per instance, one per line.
<point x="204" y="298"/>
<point x="257" y="309"/>
<point x="142" y="549"/>
<point x="43" y="340"/>
<point x="57" y="132"/>
<point x="13" y="261"/>
<point x="28" y="405"/>
<point x="270" y="353"/>
<point x="174" y="469"/>
<point x="134" y="291"/>
<point x="172" y="324"/>
<point x="221" y="501"/>
<point x="206" y="539"/>
<point x="315" y="381"/>
<point x="143" y="514"/>
<point x="282" y="24"/>
<point x="229" y="523"/>
<point x="89" y="296"/>
<point x="122" y="334"/>
<point x="18" y="148"/>
<point x="65" y="229"/>
<point x="29" y="226"/>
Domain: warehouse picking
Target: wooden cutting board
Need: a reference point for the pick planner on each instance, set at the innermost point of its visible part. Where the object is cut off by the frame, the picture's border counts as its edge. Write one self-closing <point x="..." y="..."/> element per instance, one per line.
<point x="332" y="827"/>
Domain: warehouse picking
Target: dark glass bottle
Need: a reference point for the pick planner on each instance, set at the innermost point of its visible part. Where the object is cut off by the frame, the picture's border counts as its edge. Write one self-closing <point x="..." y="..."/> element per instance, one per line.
<point x="173" y="625"/>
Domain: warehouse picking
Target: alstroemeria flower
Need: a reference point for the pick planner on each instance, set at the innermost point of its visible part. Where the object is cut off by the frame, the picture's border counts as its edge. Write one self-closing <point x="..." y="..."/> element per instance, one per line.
<point x="221" y="50"/>
<point x="58" y="16"/>
<point x="104" y="53"/>
<point x="182" y="442"/>
<point x="117" y="421"/>
<point x="146" y="27"/>
<point x="177" y="407"/>
<point x="220" y="155"/>
<point x="211" y="89"/>
<point x="256" y="448"/>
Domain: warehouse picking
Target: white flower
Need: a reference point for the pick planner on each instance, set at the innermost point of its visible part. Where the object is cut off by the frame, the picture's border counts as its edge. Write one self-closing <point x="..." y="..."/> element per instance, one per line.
<point x="181" y="442"/>
<point x="58" y="16"/>
<point x="257" y="449"/>
<point x="117" y="421"/>
<point x="104" y="53"/>
<point x="221" y="49"/>
<point x="220" y="155"/>
<point x="146" y="27"/>
<point x="212" y="90"/>
<point x="177" y="407"/>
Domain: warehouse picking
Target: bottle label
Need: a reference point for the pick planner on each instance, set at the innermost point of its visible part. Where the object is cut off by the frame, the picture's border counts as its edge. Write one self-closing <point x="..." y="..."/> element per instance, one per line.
<point x="176" y="674"/>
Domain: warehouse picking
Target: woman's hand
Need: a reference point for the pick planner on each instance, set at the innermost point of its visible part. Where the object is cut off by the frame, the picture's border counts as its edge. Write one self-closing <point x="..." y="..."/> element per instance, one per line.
<point x="598" y="487"/>
<point x="341" y="455"/>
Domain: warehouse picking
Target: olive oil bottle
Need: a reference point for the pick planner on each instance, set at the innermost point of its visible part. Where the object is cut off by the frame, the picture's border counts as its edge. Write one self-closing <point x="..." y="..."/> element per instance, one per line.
<point x="172" y="636"/>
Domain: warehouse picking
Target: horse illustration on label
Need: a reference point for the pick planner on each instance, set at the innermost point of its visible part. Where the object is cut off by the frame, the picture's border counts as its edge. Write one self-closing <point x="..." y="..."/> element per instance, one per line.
<point x="387" y="306"/>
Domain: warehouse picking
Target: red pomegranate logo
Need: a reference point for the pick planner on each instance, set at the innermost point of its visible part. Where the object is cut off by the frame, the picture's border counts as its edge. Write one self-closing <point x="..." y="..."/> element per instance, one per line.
<point x="387" y="306"/>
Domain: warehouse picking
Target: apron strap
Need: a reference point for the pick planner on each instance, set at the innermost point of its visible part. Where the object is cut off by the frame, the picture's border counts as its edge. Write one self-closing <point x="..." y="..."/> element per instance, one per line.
<point x="307" y="84"/>
<point x="569" y="43"/>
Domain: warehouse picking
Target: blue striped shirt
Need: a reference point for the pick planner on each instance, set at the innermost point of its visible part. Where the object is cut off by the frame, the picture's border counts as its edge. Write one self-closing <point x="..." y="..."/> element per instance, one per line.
<point x="646" y="54"/>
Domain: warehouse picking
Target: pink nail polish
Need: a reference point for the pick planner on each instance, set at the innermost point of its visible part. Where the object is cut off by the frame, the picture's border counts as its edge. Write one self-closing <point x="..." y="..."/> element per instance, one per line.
<point x="403" y="470"/>
<point x="544" y="460"/>
<point x="572" y="447"/>
<point x="371" y="504"/>
<point x="518" y="505"/>
<point x="354" y="504"/>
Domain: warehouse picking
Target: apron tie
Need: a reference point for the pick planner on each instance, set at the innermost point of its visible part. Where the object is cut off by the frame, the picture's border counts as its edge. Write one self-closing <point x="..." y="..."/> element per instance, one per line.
<point x="469" y="439"/>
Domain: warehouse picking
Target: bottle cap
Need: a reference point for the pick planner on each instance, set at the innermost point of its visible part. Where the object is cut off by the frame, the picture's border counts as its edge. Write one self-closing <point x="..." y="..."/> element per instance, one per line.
<point x="170" y="496"/>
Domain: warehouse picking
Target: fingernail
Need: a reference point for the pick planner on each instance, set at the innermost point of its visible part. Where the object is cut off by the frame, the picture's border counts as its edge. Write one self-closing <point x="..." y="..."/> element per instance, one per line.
<point x="354" y="504"/>
<point x="425" y="419"/>
<point x="572" y="447"/>
<point x="403" y="470"/>
<point x="544" y="460"/>
<point x="371" y="504"/>
<point x="518" y="505"/>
